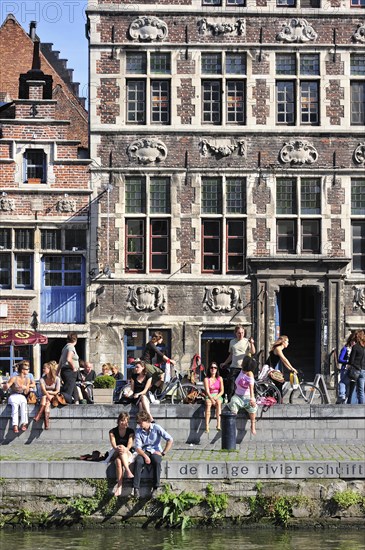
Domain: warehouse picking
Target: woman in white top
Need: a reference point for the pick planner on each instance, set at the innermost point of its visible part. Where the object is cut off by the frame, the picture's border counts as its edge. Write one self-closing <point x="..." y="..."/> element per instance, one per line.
<point x="19" y="388"/>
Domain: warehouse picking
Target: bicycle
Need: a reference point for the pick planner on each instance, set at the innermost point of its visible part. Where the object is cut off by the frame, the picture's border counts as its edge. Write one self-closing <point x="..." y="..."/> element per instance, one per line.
<point x="178" y="392"/>
<point x="306" y="393"/>
<point x="266" y="388"/>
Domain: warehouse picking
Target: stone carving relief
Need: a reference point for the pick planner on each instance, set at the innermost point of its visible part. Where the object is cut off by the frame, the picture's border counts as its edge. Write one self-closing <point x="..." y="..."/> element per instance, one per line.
<point x="7" y="205"/>
<point x="298" y="152"/>
<point x="222" y="298"/>
<point x="359" y="154"/>
<point x="297" y="30"/>
<point x="216" y="29"/>
<point x="66" y="205"/>
<point x="148" y="29"/>
<point x="146" y="298"/>
<point x="359" y="34"/>
<point x="359" y="297"/>
<point x="222" y="147"/>
<point x="147" y="151"/>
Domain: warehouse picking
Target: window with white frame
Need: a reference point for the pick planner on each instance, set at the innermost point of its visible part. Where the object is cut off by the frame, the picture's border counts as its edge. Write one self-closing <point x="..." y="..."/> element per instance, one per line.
<point x="223" y="224"/>
<point x="357" y="3"/>
<point x="297" y="89"/>
<point x="221" y="2"/>
<point x="357" y="88"/>
<point x="147" y="224"/>
<point x="35" y="166"/>
<point x="298" y="221"/>
<point x="223" y="87"/>
<point x="294" y="3"/>
<point x="16" y="258"/>
<point x="358" y="224"/>
<point x="148" y="87"/>
<point x="69" y="239"/>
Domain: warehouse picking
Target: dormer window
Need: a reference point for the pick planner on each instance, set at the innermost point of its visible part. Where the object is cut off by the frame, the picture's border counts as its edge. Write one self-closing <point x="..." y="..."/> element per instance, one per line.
<point x="35" y="166"/>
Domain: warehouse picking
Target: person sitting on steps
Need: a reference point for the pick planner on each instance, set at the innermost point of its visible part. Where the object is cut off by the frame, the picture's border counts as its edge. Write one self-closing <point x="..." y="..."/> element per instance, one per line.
<point x="149" y="450"/>
<point x="214" y="390"/>
<point x="239" y="347"/>
<point x="19" y="388"/>
<point x="50" y="385"/>
<point x="122" y="440"/>
<point x="244" y="397"/>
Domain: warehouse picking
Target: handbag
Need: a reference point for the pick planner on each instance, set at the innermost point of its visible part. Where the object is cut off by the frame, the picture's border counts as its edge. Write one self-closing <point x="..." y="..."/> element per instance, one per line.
<point x="276" y="376"/>
<point x="31" y="398"/>
<point x="58" y="399"/>
<point x="353" y="373"/>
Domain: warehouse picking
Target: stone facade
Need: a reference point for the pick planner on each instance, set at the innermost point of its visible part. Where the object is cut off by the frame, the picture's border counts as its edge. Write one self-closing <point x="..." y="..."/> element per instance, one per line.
<point x="168" y="102"/>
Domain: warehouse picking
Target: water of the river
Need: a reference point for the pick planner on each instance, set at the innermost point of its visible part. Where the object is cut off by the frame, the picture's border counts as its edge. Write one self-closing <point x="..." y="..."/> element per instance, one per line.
<point x="207" y="539"/>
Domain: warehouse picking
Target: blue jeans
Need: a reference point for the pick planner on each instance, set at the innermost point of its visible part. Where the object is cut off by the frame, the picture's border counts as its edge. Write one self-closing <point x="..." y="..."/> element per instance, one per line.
<point x="343" y="385"/>
<point x="360" y="383"/>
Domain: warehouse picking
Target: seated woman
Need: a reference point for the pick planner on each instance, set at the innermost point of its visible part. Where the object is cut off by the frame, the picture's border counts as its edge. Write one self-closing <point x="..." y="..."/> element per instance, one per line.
<point x="244" y="397"/>
<point x="141" y="382"/>
<point x="106" y="369"/>
<point x="19" y="388"/>
<point x="122" y="439"/>
<point x="214" y="389"/>
<point x="50" y="385"/>
<point x="115" y="372"/>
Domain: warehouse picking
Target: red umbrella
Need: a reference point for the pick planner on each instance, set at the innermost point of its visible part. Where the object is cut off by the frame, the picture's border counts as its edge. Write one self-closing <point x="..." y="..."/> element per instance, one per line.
<point x="18" y="337"/>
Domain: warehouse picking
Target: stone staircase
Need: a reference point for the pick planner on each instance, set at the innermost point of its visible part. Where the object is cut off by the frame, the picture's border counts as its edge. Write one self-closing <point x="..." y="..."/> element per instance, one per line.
<point x="90" y="424"/>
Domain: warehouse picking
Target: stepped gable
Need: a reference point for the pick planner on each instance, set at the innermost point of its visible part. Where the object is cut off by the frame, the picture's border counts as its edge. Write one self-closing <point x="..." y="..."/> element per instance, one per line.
<point x="16" y="52"/>
<point x="60" y="65"/>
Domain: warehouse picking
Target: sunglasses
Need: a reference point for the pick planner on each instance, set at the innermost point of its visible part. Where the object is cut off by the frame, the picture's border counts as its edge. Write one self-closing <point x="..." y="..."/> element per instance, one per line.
<point x="213" y="367"/>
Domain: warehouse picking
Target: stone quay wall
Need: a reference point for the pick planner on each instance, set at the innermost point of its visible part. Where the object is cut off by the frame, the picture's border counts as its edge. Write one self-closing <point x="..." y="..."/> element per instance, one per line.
<point x="304" y="468"/>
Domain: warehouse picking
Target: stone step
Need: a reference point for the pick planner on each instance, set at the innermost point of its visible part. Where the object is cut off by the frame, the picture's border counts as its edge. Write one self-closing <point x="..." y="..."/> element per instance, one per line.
<point x="91" y="423"/>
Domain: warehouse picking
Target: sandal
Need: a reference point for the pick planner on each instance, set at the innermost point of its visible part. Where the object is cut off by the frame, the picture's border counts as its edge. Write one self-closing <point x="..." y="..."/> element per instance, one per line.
<point x="15" y="429"/>
<point x="24" y="427"/>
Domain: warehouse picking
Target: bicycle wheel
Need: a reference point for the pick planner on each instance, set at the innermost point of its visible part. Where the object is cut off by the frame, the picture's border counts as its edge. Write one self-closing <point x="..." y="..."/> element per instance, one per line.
<point x="181" y="393"/>
<point x="306" y="394"/>
<point x="267" y="389"/>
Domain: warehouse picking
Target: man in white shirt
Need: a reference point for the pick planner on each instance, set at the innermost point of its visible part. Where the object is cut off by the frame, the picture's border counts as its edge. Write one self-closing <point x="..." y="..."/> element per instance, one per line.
<point x="238" y="348"/>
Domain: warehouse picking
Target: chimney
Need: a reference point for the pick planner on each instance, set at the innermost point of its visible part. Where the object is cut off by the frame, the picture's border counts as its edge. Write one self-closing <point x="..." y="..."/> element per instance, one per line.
<point x="32" y="29"/>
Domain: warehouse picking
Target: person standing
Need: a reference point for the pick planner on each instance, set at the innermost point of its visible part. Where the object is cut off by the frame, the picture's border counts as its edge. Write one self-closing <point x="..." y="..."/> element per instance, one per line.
<point x="149" y="450"/>
<point x="357" y="360"/>
<point x="344" y="383"/>
<point x="239" y="347"/>
<point x="68" y="367"/>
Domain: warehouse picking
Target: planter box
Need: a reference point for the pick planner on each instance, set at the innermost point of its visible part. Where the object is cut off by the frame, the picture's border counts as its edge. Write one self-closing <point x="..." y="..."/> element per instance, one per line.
<point x="34" y="180"/>
<point x="103" y="396"/>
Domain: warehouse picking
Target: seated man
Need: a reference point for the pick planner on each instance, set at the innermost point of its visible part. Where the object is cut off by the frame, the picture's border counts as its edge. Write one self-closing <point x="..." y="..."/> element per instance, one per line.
<point x="86" y="382"/>
<point x="149" y="450"/>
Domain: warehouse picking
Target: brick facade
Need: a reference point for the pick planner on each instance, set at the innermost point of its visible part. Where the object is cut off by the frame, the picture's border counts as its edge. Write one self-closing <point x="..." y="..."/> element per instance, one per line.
<point x="44" y="208"/>
<point x="16" y="52"/>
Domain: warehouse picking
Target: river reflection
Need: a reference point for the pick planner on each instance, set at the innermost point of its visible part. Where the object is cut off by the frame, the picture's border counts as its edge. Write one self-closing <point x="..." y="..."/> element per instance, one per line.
<point x="209" y="539"/>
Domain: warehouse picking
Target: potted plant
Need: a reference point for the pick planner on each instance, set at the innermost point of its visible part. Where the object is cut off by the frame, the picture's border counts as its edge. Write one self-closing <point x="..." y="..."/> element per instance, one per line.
<point x="103" y="389"/>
